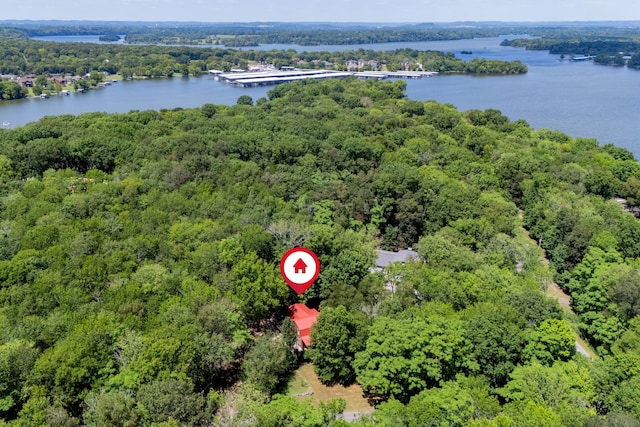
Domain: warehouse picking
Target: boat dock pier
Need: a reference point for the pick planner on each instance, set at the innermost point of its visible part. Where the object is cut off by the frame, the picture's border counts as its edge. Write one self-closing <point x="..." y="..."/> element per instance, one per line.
<point x="395" y="74"/>
<point x="579" y="58"/>
<point x="272" y="77"/>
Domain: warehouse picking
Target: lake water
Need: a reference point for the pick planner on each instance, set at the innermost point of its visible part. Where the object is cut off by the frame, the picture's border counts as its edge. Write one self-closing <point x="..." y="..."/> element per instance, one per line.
<point x="578" y="98"/>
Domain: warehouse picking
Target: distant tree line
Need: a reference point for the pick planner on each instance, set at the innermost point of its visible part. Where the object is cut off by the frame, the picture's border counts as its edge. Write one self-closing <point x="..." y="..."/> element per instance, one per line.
<point x="235" y="35"/>
<point x="302" y="37"/>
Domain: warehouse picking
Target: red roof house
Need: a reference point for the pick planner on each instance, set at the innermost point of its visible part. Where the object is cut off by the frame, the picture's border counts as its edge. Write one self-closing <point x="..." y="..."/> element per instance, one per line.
<point x="304" y="318"/>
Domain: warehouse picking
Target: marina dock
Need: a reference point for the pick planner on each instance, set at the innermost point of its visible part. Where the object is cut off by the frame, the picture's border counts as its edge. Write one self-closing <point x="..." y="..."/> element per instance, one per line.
<point x="272" y="77"/>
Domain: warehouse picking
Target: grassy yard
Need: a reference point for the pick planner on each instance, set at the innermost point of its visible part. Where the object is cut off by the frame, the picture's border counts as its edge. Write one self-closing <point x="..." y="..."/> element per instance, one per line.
<point x="305" y="381"/>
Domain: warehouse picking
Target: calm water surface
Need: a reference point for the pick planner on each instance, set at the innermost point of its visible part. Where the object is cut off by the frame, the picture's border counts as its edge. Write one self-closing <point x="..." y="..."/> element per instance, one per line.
<point x="578" y="98"/>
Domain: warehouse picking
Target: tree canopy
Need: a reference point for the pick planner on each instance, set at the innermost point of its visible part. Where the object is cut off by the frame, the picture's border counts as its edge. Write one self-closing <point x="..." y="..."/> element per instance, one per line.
<point x="139" y="253"/>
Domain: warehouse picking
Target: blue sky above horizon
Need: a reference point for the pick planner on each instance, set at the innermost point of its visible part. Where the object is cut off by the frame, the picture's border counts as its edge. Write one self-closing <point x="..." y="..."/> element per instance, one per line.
<point x="329" y="10"/>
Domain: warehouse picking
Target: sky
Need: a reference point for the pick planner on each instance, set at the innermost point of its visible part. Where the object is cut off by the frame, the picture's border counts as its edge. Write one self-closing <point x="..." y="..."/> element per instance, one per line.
<point x="328" y="10"/>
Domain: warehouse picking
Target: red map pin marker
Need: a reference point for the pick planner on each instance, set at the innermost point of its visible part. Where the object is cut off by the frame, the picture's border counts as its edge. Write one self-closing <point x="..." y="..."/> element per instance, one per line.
<point x="299" y="268"/>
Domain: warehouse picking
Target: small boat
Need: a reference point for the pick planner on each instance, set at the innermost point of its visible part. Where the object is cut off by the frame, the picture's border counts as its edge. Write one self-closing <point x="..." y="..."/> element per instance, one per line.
<point x="44" y="95"/>
<point x="5" y="124"/>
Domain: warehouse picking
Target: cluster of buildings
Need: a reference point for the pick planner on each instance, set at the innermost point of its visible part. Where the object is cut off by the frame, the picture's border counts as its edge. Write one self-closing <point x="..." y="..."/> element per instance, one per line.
<point x="363" y="64"/>
<point x="28" y="80"/>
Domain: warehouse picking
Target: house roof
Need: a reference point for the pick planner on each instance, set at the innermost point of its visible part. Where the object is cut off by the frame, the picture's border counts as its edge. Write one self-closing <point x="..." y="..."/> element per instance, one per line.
<point x="304" y="318"/>
<point x="387" y="257"/>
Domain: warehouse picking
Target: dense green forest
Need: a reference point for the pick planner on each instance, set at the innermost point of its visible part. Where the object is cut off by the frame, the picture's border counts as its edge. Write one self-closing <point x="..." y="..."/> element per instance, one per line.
<point x="139" y="280"/>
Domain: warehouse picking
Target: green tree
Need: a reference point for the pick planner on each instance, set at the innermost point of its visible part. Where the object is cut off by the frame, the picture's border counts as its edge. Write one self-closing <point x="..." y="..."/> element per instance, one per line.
<point x="268" y="363"/>
<point x="625" y="292"/>
<point x="5" y="169"/>
<point x="244" y="100"/>
<point x="106" y="409"/>
<point x="11" y="90"/>
<point x="626" y="397"/>
<point x="209" y="110"/>
<point x="240" y="406"/>
<point x="552" y="340"/>
<point x="450" y="405"/>
<point x="622" y="419"/>
<point x="81" y="84"/>
<point x="404" y="356"/>
<point x="631" y="190"/>
<point x="455" y="403"/>
<point x="531" y="414"/>
<point x="288" y="411"/>
<point x="335" y="340"/>
<point x="565" y="387"/>
<point x="17" y="358"/>
<point x="95" y="77"/>
<point x="83" y="357"/>
<point x="497" y="334"/>
<point x="37" y="89"/>
<point x="170" y="400"/>
<point x="258" y="287"/>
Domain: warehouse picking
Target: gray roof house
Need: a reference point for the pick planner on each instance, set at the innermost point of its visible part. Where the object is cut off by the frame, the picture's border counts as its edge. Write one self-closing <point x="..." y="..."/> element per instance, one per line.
<point x="385" y="258"/>
<point x="403" y="256"/>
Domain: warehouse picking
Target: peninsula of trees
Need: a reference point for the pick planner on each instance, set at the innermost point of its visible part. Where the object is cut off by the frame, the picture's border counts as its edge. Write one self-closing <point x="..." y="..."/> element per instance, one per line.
<point x="139" y="280"/>
<point x="31" y="67"/>
<point x="607" y="45"/>
<point x="22" y="57"/>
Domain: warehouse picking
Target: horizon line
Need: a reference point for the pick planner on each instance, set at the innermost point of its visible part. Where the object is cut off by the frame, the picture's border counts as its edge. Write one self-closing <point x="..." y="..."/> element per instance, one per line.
<point x="579" y="21"/>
